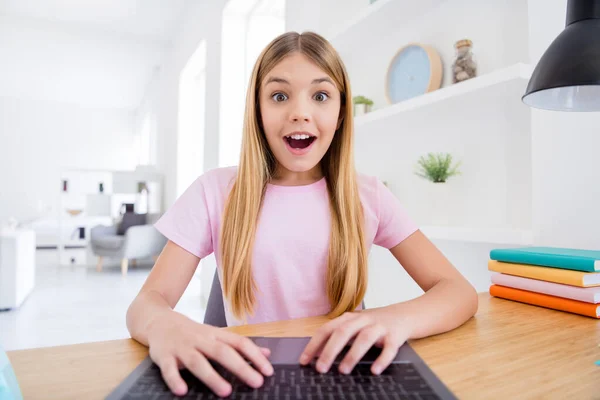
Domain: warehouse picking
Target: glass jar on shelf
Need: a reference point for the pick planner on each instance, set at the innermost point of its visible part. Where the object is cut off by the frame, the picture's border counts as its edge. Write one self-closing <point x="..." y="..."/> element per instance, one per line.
<point x="465" y="64"/>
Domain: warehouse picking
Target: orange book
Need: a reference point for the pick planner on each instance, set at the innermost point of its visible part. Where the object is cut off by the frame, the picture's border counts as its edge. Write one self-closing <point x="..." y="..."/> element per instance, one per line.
<point x="548" y="274"/>
<point x="545" y="300"/>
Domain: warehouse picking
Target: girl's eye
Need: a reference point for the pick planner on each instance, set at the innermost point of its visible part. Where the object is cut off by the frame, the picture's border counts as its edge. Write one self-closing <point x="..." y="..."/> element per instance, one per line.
<point x="278" y="97"/>
<point x="322" y="94"/>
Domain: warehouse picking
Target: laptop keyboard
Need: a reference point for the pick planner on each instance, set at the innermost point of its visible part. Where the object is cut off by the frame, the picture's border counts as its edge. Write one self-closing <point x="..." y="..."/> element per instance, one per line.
<point x="295" y="382"/>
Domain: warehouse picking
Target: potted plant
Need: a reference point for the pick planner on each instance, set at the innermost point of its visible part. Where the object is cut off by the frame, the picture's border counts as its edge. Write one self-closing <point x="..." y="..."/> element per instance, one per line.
<point x="362" y="105"/>
<point x="437" y="167"/>
<point x="441" y="203"/>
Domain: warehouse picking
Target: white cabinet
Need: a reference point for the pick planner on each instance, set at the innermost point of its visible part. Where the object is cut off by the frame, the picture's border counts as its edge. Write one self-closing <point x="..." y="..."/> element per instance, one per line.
<point x="17" y="266"/>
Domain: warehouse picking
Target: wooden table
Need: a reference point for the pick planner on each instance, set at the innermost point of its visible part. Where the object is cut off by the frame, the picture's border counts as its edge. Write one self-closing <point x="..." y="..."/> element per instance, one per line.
<point x="508" y="350"/>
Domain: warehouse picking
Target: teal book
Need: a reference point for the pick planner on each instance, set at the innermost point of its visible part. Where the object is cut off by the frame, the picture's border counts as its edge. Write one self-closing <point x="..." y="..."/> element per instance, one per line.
<point x="556" y="257"/>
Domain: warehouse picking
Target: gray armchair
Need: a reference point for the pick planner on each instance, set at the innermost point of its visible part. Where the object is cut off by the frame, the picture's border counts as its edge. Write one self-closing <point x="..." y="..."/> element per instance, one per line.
<point x="140" y="241"/>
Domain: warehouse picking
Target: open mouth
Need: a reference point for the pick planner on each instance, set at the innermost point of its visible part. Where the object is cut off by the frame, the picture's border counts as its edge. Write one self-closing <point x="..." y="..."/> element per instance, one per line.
<point x="300" y="141"/>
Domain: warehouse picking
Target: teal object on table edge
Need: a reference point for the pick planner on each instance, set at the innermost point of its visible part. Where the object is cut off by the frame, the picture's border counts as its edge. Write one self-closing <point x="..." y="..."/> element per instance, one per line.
<point x="9" y="386"/>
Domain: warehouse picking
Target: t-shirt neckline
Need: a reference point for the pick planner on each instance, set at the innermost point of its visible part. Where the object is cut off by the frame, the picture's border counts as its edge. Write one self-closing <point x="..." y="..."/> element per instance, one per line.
<point x="298" y="188"/>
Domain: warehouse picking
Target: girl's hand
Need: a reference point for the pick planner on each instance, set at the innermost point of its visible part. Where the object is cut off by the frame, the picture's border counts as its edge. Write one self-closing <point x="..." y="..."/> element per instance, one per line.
<point x="176" y="341"/>
<point x="368" y="328"/>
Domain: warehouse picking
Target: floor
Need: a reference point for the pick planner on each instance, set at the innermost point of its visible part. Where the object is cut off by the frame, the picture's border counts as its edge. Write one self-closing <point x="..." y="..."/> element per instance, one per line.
<point x="76" y="304"/>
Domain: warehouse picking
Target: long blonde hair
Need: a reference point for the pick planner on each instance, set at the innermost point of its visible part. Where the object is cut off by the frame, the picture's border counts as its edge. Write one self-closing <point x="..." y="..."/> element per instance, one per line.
<point x="347" y="258"/>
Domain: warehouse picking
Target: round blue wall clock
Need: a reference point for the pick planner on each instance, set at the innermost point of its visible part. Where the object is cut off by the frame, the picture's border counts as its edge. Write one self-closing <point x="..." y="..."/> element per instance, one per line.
<point x="415" y="69"/>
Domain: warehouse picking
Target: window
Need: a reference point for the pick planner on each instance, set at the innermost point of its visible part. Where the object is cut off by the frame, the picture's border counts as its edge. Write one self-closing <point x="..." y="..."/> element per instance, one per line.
<point x="144" y="141"/>
<point x="248" y="26"/>
<point x="191" y="119"/>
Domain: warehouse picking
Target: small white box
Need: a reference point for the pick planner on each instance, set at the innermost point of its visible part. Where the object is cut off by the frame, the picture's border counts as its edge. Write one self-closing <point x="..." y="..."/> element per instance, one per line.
<point x="74" y="256"/>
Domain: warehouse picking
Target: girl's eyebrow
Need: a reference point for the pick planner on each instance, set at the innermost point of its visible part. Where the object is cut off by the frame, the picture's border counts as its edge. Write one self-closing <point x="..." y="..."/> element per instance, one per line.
<point x="281" y="80"/>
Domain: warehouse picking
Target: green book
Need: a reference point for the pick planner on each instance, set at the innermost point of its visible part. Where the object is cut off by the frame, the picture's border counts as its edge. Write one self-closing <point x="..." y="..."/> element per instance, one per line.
<point x="574" y="259"/>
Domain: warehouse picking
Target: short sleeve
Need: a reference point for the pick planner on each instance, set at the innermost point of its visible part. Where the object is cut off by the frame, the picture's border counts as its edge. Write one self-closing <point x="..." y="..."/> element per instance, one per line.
<point x="187" y="222"/>
<point x="395" y="224"/>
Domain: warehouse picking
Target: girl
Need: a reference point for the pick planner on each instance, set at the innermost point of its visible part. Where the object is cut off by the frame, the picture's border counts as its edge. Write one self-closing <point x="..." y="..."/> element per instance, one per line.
<point x="291" y="229"/>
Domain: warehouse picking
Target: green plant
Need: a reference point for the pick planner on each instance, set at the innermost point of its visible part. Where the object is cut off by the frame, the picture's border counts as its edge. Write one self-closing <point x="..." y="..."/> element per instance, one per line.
<point x="362" y="100"/>
<point x="437" y="167"/>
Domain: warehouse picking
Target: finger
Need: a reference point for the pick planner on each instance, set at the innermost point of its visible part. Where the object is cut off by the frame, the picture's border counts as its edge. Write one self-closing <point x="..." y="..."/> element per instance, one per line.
<point x="171" y="376"/>
<point x="198" y="365"/>
<point x="363" y="342"/>
<point x="230" y="359"/>
<point x="266" y="351"/>
<point x="338" y="339"/>
<point x="318" y="341"/>
<point x="248" y="348"/>
<point x="390" y="349"/>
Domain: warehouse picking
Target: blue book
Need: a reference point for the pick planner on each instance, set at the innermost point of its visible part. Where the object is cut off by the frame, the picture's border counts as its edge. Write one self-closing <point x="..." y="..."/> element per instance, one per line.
<point x="556" y="257"/>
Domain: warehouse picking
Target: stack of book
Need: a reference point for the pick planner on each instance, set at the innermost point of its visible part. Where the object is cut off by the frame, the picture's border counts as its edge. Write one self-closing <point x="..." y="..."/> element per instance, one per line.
<point x="558" y="278"/>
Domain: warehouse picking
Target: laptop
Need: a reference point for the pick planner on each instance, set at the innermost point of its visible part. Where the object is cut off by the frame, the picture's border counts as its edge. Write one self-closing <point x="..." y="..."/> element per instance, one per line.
<point x="408" y="377"/>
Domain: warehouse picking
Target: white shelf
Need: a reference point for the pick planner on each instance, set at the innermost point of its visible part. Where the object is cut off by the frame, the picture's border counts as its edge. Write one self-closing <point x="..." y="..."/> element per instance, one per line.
<point x="361" y="24"/>
<point x="493" y="85"/>
<point x="495" y="236"/>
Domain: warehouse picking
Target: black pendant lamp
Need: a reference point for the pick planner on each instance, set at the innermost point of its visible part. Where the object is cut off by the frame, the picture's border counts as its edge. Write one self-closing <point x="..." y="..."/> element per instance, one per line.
<point x="567" y="77"/>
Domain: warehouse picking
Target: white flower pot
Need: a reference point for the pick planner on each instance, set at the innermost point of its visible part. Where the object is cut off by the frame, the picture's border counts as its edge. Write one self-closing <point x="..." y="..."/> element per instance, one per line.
<point x="440" y="202"/>
<point x="361" y="109"/>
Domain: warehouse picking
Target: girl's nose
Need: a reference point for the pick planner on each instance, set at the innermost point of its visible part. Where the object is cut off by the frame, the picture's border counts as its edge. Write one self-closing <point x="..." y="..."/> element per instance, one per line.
<point x="297" y="117"/>
<point x="300" y="112"/>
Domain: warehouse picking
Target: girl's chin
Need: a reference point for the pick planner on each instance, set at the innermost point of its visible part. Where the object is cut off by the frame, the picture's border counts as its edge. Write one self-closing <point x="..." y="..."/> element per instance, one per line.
<point x="298" y="166"/>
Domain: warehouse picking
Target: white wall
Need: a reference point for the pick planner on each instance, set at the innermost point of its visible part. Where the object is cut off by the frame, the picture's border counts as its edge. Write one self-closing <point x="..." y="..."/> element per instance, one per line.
<point x="555" y="155"/>
<point x="202" y="22"/>
<point x="498" y="30"/>
<point x="493" y="189"/>
<point x="565" y="147"/>
<point x="493" y="172"/>
<point x="233" y="88"/>
<point x="302" y="16"/>
<point x="565" y="179"/>
<point x="73" y="64"/>
<point x="332" y="14"/>
<point x="146" y="113"/>
<point x="246" y="32"/>
<point x="38" y="138"/>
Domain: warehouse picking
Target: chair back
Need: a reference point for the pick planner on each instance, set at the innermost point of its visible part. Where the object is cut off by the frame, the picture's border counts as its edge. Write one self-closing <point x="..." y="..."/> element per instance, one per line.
<point x="215" y="309"/>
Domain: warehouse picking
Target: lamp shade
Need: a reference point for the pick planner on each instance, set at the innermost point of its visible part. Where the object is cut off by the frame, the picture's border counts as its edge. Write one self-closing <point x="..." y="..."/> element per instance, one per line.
<point x="567" y="77"/>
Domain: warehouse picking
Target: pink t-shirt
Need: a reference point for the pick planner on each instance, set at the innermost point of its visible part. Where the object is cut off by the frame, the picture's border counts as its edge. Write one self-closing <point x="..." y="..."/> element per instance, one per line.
<point x="292" y="239"/>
